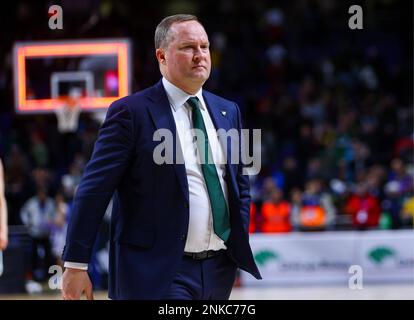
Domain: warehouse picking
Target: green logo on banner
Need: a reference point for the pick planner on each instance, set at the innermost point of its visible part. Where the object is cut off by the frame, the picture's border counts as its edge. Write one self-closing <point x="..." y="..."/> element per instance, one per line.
<point x="264" y="256"/>
<point x="379" y="254"/>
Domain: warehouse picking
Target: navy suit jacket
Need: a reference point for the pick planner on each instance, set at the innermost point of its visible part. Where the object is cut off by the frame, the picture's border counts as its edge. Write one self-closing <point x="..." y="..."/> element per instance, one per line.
<point x="150" y="213"/>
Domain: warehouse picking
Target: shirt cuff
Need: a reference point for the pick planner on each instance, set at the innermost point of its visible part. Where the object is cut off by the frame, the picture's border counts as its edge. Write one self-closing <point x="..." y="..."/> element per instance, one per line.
<point x="76" y="265"/>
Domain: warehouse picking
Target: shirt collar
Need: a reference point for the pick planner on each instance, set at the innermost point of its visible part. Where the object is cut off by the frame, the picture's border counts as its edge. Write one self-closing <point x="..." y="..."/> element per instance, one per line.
<point x="178" y="97"/>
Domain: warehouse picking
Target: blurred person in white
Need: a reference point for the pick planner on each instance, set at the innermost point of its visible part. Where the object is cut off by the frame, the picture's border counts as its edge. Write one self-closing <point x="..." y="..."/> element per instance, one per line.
<point x="38" y="214"/>
<point x="3" y="213"/>
<point x="59" y="227"/>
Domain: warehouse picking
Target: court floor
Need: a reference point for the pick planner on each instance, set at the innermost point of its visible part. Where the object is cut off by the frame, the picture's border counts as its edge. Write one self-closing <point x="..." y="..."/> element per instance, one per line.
<point x="368" y="292"/>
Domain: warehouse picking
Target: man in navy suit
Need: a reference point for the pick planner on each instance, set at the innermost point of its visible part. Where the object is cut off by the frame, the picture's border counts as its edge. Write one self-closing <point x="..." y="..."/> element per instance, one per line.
<point x="178" y="230"/>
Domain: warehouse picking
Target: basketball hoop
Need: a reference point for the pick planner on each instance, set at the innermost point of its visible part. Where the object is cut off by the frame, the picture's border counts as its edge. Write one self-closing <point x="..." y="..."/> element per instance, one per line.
<point x="68" y="112"/>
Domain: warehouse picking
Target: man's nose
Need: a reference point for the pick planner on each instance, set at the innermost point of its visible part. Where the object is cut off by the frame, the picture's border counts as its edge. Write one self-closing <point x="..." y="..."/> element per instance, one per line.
<point x="199" y="54"/>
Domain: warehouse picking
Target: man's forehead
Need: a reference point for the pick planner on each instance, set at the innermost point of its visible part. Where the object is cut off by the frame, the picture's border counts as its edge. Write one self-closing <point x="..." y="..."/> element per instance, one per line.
<point x="188" y="31"/>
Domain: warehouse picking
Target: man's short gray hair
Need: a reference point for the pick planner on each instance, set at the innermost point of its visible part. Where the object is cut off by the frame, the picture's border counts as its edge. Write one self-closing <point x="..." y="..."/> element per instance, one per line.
<point x="161" y="37"/>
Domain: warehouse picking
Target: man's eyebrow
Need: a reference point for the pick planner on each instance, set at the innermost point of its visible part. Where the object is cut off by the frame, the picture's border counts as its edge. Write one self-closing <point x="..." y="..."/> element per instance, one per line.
<point x="187" y="42"/>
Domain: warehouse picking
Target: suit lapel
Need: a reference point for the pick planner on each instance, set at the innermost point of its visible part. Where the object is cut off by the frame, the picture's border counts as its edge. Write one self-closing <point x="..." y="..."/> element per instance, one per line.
<point x="161" y="114"/>
<point x="220" y="115"/>
<point x="218" y="112"/>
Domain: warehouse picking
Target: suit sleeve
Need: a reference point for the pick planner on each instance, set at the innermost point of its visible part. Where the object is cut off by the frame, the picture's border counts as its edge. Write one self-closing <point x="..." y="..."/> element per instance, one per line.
<point x="110" y="159"/>
<point x="243" y="180"/>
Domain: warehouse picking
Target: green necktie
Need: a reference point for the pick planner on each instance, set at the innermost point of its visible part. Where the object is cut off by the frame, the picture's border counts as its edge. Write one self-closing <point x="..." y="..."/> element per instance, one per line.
<point x="218" y="203"/>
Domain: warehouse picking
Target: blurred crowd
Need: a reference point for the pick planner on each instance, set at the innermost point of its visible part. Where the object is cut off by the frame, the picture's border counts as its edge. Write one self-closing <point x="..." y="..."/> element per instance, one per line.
<point x="334" y="106"/>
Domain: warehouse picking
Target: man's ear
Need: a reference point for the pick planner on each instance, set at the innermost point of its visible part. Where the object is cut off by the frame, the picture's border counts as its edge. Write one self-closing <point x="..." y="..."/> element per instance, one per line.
<point x="160" y="54"/>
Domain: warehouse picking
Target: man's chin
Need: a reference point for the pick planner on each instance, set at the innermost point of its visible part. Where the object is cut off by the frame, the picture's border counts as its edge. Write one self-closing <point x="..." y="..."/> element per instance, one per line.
<point x="200" y="76"/>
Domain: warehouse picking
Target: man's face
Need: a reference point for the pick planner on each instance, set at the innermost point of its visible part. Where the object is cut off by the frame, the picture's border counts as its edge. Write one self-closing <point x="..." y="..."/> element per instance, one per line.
<point x="186" y="59"/>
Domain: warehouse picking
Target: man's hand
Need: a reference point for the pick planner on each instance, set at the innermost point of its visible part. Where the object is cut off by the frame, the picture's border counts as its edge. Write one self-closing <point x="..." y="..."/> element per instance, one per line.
<point x="74" y="283"/>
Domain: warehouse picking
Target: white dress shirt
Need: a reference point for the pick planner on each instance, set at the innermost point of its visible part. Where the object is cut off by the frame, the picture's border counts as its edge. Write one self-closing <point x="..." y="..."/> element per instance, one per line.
<point x="200" y="235"/>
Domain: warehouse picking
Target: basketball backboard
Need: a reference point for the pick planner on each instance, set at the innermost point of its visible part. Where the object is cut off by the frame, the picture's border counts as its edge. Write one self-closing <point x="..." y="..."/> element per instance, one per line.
<point x="44" y="72"/>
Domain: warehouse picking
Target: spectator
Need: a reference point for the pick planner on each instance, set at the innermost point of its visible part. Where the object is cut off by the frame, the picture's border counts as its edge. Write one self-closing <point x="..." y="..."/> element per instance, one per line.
<point x="296" y="205"/>
<point x="392" y="203"/>
<point x="408" y="211"/>
<point x="364" y="208"/>
<point x="71" y="180"/>
<point x="276" y="213"/>
<point x="59" y="227"/>
<point x="42" y="178"/>
<point x="253" y="217"/>
<point x="399" y="174"/>
<point x="315" y="211"/>
<point x="375" y="179"/>
<point x="17" y="188"/>
<point x="38" y="215"/>
<point x="268" y="186"/>
<point x="39" y="151"/>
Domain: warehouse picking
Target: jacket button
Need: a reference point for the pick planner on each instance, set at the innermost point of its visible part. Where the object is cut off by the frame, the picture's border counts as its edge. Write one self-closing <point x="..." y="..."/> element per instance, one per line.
<point x="186" y="205"/>
<point x="183" y="237"/>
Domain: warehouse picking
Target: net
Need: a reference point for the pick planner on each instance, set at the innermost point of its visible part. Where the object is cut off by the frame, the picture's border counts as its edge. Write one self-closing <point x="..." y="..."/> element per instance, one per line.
<point x="68" y="112"/>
